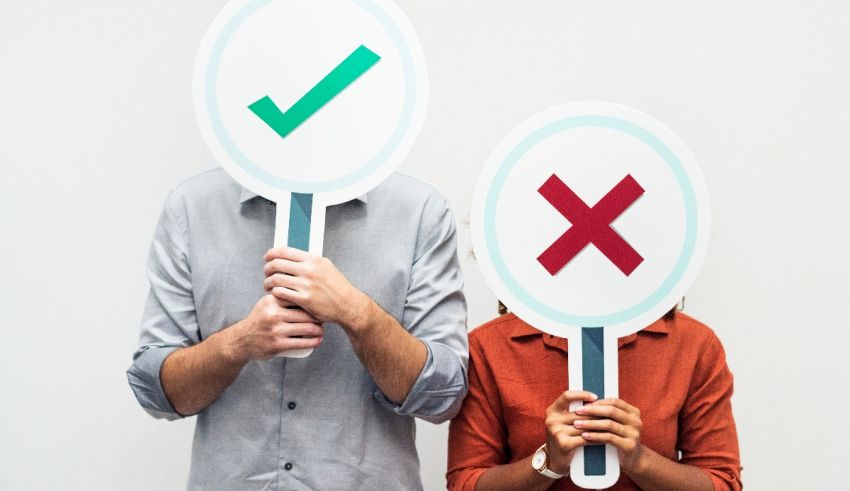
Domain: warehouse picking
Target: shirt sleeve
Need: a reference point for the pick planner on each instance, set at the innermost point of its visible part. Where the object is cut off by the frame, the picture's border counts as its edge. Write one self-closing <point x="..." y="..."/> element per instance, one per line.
<point x="169" y="321"/>
<point x="477" y="435"/>
<point x="435" y="312"/>
<point x="707" y="436"/>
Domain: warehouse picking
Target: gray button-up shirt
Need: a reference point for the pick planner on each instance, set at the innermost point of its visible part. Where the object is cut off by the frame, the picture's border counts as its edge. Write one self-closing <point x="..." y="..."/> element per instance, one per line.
<point x="318" y="422"/>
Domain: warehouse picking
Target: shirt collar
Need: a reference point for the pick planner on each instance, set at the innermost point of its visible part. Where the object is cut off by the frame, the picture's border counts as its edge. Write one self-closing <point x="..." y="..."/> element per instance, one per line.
<point x="247" y="195"/>
<point x="522" y="329"/>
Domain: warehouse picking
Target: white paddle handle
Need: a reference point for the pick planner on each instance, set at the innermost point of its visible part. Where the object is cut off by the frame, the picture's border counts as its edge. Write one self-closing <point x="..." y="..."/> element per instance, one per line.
<point x="290" y="231"/>
<point x="594" y="368"/>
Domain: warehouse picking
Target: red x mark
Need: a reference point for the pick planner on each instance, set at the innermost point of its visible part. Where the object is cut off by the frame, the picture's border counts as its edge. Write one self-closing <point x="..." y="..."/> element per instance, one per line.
<point x="590" y="225"/>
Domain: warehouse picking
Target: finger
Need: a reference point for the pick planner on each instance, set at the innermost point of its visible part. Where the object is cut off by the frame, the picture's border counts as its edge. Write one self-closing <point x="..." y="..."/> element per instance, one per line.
<point x="563" y="418"/>
<point x="562" y="403"/>
<point x="297" y="315"/>
<point x="602" y="411"/>
<point x="299" y="329"/>
<point x="299" y="343"/>
<point x="567" y="429"/>
<point x="604" y="425"/>
<point x="621" y="443"/>
<point x="569" y="440"/>
<point x="284" y="281"/>
<point x="283" y="303"/>
<point x="289" y="253"/>
<point x="560" y="418"/>
<point x="625" y="406"/>
<point x="284" y="266"/>
<point x="288" y="295"/>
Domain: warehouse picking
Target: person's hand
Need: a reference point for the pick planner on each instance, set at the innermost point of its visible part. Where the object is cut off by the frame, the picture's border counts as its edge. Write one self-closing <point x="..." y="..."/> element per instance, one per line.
<point x="615" y="422"/>
<point x="271" y="328"/>
<point x="313" y="283"/>
<point x="562" y="437"/>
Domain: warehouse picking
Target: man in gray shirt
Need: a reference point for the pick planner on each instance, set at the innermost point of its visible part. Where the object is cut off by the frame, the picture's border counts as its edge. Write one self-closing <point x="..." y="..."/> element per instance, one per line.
<point x="384" y="311"/>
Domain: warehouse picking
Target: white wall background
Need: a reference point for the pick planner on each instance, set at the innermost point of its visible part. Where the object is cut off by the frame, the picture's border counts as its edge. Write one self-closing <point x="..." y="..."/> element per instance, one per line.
<point x="96" y="126"/>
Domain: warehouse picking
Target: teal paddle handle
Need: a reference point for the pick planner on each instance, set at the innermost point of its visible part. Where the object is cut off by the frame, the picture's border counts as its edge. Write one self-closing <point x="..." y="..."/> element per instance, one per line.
<point x="300" y="214"/>
<point x="593" y="380"/>
<point x="298" y="237"/>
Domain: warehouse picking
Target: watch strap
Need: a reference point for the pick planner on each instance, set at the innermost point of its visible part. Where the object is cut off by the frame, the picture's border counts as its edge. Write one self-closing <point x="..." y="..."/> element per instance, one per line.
<point x="550" y="474"/>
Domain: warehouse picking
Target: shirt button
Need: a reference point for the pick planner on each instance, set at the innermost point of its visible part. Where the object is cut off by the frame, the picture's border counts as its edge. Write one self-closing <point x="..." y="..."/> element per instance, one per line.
<point x="288" y="466"/>
<point x="291" y="405"/>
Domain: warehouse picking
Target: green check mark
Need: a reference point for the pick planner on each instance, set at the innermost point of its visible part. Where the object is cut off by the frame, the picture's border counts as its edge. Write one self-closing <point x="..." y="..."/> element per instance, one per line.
<point x="349" y="70"/>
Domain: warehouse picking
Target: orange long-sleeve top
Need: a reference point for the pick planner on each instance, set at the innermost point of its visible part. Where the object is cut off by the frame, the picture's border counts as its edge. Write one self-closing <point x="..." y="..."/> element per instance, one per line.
<point x="674" y="371"/>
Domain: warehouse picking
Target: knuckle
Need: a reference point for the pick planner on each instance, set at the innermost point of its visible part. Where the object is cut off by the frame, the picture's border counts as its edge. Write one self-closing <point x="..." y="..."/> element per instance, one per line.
<point x="277" y="315"/>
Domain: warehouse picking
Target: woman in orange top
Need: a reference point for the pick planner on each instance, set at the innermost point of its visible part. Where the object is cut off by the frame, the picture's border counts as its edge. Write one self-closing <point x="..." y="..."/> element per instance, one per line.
<point x="672" y="426"/>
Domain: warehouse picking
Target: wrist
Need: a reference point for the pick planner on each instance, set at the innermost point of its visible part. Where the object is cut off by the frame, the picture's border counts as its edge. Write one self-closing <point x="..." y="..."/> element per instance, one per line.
<point x="638" y="463"/>
<point x="228" y="345"/>
<point x="357" y="315"/>
<point x="557" y="466"/>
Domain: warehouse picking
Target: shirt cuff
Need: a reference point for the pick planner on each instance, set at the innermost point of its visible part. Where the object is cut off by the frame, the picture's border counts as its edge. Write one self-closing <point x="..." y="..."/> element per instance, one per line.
<point x="438" y="392"/>
<point x="143" y="376"/>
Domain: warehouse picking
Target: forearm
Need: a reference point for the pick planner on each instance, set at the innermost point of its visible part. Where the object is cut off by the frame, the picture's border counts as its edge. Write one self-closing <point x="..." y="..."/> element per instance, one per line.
<point x="656" y="472"/>
<point x="510" y="477"/>
<point x="393" y="356"/>
<point x="194" y="377"/>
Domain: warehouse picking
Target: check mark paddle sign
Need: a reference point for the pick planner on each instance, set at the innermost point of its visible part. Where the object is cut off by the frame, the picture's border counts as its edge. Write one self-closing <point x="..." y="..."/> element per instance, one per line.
<point x="298" y="220"/>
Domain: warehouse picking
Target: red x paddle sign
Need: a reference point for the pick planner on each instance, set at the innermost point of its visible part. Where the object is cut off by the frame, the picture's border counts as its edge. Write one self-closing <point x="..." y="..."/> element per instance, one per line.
<point x="590" y="225"/>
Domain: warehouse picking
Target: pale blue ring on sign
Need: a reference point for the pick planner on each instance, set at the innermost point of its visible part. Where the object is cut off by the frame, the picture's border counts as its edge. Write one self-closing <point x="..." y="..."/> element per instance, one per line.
<point x="284" y="184"/>
<point x="691" y="219"/>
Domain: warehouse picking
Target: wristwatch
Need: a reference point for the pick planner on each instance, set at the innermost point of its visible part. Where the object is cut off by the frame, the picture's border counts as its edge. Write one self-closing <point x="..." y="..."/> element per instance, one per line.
<point x="540" y="461"/>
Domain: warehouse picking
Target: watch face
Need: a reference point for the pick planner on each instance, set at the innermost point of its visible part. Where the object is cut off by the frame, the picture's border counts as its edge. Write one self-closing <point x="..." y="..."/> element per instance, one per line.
<point x="539" y="459"/>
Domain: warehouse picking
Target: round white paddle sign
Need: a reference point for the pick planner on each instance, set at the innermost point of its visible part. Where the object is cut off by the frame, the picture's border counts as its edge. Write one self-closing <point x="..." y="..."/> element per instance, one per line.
<point x="310" y="103"/>
<point x="590" y="221"/>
